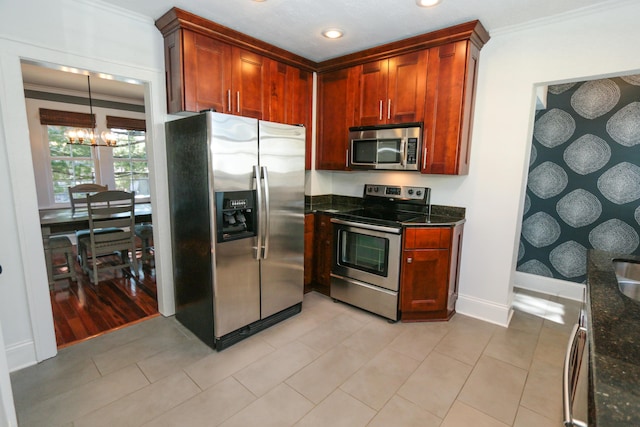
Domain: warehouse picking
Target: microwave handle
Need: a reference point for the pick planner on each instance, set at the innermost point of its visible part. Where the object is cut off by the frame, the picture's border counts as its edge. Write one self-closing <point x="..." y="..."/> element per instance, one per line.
<point x="346" y="158"/>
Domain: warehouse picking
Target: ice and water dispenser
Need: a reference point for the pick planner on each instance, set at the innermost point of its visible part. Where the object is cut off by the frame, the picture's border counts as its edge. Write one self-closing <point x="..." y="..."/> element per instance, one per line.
<point x="236" y="216"/>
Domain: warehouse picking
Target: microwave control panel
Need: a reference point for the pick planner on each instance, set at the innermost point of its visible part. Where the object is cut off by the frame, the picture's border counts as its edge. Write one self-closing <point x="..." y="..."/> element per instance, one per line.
<point x="412" y="151"/>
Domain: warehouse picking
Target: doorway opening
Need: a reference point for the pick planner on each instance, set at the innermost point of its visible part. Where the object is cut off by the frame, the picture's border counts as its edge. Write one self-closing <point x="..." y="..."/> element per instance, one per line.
<point x="82" y="309"/>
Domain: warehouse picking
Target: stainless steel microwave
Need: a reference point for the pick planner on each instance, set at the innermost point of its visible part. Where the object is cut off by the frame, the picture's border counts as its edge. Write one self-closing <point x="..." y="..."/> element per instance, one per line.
<point x="386" y="147"/>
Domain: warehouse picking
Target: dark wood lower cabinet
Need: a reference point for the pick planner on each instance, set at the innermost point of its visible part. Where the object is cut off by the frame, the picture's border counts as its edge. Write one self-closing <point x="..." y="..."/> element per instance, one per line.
<point x="308" y="252"/>
<point x="429" y="273"/>
<point x="323" y="252"/>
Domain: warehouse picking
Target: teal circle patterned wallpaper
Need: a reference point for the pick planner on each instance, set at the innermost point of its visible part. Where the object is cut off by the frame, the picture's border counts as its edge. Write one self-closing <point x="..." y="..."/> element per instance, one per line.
<point x="583" y="188"/>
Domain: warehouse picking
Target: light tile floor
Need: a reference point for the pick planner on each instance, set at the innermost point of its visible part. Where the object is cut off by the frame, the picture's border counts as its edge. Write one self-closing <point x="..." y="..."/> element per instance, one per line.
<point x="331" y="365"/>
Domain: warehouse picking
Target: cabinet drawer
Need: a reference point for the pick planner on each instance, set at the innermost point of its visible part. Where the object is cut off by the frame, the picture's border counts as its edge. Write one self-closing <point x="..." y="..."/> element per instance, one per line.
<point x="427" y="238"/>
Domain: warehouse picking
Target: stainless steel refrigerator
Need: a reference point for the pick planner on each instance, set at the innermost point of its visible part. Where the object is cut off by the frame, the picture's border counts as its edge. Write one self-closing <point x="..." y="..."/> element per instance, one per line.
<point x="236" y="191"/>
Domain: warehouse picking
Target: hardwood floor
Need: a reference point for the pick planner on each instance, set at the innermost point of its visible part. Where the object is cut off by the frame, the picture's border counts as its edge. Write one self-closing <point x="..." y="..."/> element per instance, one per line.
<point x="82" y="310"/>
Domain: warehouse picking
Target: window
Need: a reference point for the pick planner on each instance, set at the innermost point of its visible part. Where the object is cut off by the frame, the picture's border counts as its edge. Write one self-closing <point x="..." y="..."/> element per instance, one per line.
<point x="123" y="167"/>
<point x="130" y="169"/>
<point x="70" y="164"/>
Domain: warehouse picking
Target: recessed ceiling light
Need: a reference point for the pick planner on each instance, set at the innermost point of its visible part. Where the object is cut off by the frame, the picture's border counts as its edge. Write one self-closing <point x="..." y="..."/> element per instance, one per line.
<point x="333" y="33"/>
<point x="427" y="3"/>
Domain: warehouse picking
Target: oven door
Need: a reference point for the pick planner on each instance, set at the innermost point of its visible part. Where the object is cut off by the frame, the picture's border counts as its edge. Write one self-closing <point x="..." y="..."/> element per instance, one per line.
<point x="367" y="253"/>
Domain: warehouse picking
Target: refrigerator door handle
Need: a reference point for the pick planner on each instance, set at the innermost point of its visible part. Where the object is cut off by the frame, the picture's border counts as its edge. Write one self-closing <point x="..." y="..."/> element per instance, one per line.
<point x="256" y="176"/>
<point x="267" y="222"/>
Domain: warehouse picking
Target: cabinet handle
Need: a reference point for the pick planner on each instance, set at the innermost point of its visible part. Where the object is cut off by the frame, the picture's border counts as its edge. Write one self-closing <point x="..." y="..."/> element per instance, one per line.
<point x="389" y="109"/>
<point x="409" y="260"/>
<point x="229" y="100"/>
<point x="380" y="110"/>
<point x="238" y="101"/>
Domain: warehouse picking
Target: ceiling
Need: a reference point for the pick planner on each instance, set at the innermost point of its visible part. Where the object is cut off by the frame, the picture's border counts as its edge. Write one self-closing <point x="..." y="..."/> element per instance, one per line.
<point x="295" y="25"/>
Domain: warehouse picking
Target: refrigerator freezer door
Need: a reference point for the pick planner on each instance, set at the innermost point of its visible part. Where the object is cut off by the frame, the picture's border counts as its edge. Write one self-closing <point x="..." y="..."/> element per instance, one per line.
<point x="191" y="227"/>
<point x="282" y="150"/>
<point x="233" y="152"/>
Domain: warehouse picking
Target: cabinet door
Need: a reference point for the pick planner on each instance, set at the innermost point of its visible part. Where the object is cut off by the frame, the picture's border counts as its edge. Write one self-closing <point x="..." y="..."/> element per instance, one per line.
<point x="424" y="280"/>
<point x="207" y="73"/>
<point x="335" y="115"/>
<point x="450" y="97"/>
<point x="290" y="99"/>
<point x="323" y="253"/>
<point x="250" y="84"/>
<point x="407" y="88"/>
<point x="371" y="104"/>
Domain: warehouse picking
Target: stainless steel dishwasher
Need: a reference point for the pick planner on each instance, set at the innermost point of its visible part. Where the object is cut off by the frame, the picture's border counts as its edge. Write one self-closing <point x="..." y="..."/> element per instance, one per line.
<point x="575" y="378"/>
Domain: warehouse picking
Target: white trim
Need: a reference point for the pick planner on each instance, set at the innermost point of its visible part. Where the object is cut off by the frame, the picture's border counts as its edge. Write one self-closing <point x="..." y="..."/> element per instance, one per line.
<point x="21" y="355"/>
<point x="484" y="310"/>
<point x="7" y="409"/>
<point x="548" y="285"/>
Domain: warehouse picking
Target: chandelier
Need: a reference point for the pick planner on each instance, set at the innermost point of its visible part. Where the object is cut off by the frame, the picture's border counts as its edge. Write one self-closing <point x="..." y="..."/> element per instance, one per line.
<point x="81" y="136"/>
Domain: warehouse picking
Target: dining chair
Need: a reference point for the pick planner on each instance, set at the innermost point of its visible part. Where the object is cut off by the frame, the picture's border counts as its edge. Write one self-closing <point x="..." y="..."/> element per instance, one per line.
<point x="59" y="245"/>
<point x="78" y="195"/>
<point x="110" y="210"/>
<point x="78" y="200"/>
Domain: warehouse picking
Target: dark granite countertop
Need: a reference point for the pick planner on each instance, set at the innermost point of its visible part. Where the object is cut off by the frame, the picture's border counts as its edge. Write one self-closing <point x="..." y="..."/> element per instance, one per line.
<point x="440" y="215"/>
<point x="614" y="340"/>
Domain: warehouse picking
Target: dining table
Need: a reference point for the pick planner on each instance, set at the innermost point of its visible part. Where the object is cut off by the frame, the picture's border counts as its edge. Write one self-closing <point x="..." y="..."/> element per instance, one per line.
<point x="63" y="221"/>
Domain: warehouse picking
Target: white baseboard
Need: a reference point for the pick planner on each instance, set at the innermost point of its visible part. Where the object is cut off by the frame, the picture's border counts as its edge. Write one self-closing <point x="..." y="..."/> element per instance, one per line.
<point x="549" y="286"/>
<point x="484" y="310"/>
<point x="21" y="355"/>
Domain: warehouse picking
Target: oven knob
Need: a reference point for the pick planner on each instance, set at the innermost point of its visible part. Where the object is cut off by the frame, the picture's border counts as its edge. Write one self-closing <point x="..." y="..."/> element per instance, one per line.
<point x="410" y="191"/>
<point x="369" y="189"/>
<point x="419" y="193"/>
<point x="375" y="189"/>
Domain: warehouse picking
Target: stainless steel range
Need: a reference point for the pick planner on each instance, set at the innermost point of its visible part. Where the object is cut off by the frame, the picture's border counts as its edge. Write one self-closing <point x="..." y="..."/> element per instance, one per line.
<point x="368" y="246"/>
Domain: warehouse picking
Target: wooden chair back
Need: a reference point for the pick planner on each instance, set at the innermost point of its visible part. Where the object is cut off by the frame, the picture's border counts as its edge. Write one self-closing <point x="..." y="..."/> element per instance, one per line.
<point x="112" y="209"/>
<point x="78" y="194"/>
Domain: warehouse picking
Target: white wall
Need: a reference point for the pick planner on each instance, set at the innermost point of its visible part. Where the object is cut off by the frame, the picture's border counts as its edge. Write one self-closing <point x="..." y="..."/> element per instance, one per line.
<point x="592" y="43"/>
<point x="88" y="36"/>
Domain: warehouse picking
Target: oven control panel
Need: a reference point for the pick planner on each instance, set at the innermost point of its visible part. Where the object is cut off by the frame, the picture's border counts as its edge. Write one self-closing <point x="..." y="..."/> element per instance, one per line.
<point x="397" y="192"/>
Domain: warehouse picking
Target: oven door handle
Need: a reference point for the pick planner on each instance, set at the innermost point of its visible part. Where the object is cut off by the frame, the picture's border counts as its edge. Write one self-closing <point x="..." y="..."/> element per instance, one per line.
<point x="367" y="226"/>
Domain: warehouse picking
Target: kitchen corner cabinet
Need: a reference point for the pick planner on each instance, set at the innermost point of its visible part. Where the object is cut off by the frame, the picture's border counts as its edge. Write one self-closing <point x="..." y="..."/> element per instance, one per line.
<point x="309" y="225"/>
<point x="323" y="252"/>
<point x="392" y="90"/>
<point x="335" y="116"/>
<point x="451" y="86"/>
<point x="429" y="273"/>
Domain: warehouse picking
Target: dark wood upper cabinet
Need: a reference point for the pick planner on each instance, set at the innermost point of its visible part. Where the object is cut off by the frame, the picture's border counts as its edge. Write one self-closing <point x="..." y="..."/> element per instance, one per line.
<point x="209" y="66"/>
<point x="290" y="98"/>
<point x="451" y="88"/>
<point x="392" y="90"/>
<point x="335" y="115"/>
<point x="429" y="78"/>
<point x="214" y="75"/>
